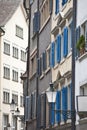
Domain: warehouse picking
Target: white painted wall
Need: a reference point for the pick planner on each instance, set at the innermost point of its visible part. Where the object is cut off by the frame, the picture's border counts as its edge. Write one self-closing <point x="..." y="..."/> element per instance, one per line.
<point x="81" y="64"/>
<point x="10" y="37"/>
<point x="81" y="11"/>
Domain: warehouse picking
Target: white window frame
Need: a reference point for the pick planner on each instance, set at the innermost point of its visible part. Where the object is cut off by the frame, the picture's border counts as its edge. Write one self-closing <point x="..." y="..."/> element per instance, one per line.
<point x="6" y="48"/>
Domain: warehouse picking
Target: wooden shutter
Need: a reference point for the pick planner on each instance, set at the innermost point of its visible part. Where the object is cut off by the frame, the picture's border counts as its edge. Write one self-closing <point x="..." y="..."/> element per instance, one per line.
<point x="58" y="48"/>
<point x="56" y="6"/>
<point x="52" y="62"/>
<point x="65" y="45"/>
<point x="64" y="103"/>
<point x="50" y="6"/>
<point x="36" y="22"/>
<point x="52" y="113"/>
<point x="28" y="108"/>
<point x="38" y="67"/>
<point x="77" y="38"/>
<point x="39" y="111"/>
<point x="58" y="107"/>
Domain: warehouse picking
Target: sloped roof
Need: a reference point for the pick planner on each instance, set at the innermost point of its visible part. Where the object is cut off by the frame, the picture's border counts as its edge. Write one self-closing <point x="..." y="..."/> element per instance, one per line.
<point x="7" y="9"/>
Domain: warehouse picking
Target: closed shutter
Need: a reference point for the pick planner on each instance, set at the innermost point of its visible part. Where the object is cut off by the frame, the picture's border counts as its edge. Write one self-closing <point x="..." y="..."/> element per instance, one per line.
<point x="50" y="6"/>
<point x="39" y="111"/>
<point x="40" y="66"/>
<point x="36" y="22"/>
<point x="28" y="108"/>
<point x="52" y="62"/>
<point x="58" y="107"/>
<point x="64" y="103"/>
<point x="43" y="110"/>
<point x="56" y="6"/>
<point x="58" y="48"/>
<point x="52" y="114"/>
<point x="65" y="45"/>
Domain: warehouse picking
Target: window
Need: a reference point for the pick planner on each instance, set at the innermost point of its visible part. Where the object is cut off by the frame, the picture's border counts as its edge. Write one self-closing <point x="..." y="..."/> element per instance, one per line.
<point x="15" y="97"/>
<point x="83" y="90"/>
<point x="21" y="101"/>
<point x="44" y="12"/>
<point x="19" y="32"/>
<point x="14" y="75"/>
<point x="6" y="48"/>
<point x="15" y="52"/>
<point x="6" y="72"/>
<point x="5" y="121"/>
<point x="6" y="96"/>
<point x="33" y="65"/>
<point x="62" y="38"/>
<point x="23" y="55"/>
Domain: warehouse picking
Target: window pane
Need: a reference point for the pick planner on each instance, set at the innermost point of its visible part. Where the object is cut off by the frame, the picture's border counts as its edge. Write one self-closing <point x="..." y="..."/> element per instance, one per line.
<point x="6" y="48"/>
<point x="19" y="31"/>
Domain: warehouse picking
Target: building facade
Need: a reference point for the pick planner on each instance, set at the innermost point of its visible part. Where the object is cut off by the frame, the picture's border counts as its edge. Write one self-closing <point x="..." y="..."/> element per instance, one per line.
<point x="13" y="43"/>
<point x="81" y="61"/>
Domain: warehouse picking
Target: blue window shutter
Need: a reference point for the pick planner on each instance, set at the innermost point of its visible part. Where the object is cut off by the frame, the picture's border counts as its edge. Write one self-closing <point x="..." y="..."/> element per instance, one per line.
<point x="65" y="47"/>
<point x="36" y="22"/>
<point x="52" y="55"/>
<point x="64" y="103"/>
<point x="58" y="107"/>
<point x="38" y="67"/>
<point x="52" y="113"/>
<point x="56" y="6"/>
<point x="58" y="48"/>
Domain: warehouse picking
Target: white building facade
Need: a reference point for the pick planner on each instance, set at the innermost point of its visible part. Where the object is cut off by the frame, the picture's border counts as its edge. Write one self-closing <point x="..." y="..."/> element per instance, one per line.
<point x="12" y="64"/>
<point x="81" y="64"/>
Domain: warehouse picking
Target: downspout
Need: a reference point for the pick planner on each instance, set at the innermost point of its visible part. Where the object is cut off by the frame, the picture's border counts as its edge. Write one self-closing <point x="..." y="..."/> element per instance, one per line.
<point x="37" y="76"/>
<point x="73" y="115"/>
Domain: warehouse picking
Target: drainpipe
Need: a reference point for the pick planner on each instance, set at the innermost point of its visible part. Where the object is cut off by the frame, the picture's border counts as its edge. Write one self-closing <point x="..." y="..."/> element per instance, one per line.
<point x="37" y="77"/>
<point x="73" y="115"/>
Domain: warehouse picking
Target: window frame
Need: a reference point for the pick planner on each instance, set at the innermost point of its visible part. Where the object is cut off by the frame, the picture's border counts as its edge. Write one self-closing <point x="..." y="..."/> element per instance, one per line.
<point x="18" y="30"/>
<point x="6" y="48"/>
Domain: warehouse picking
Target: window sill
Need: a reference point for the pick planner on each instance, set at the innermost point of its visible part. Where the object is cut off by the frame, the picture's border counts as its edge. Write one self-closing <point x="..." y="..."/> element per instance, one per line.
<point x="42" y="76"/>
<point x="32" y="76"/>
<point x="82" y="57"/>
<point x="44" y="24"/>
<point x="6" y="78"/>
<point x="7" y="54"/>
<point x="62" y="61"/>
<point x="6" y="103"/>
<point x="47" y="70"/>
<point x="56" y="66"/>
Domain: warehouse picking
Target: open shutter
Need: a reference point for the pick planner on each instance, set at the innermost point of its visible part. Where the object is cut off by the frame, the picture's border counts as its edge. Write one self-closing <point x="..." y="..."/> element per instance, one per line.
<point x="64" y="103"/>
<point x="56" y="6"/>
<point x="58" y="107"/>
<point x="52" y="114"/>
<point x="39" y="111"/>
<point x="65" y="47"/>
<point x="44" y="60"/>
<point x="77" y="38"/>
<point x="52" y="55"/>
<point x="38" y="67"/>
<point x="50" y="6"/>
<point x="58" y="48"/>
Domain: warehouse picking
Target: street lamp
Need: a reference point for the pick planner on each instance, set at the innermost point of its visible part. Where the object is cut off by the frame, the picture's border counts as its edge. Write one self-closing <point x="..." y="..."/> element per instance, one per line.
<point x="51" y="94"/>
<point x="12" y="106"/>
